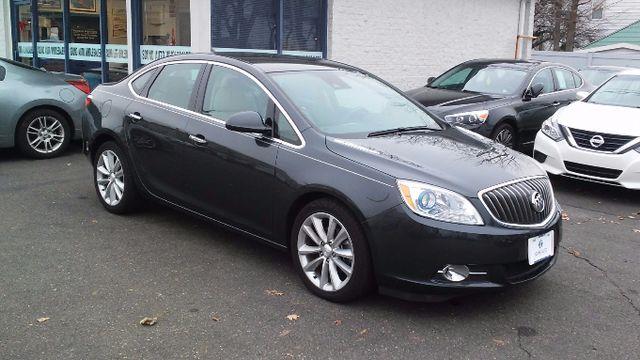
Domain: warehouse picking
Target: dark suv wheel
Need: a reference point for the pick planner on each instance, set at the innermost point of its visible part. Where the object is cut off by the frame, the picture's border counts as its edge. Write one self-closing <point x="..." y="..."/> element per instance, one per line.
<point x="330" y="252"/>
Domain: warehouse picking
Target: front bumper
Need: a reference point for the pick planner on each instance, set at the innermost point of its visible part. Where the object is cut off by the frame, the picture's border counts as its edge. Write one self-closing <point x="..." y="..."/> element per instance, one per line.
<point x="408" y="250"/>
<point x="593" y="166"/>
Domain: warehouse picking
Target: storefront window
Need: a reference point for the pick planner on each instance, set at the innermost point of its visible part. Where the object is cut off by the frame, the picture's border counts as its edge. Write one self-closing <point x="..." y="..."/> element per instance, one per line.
<point x="244" y="24"/>
<point x="166" y="29"/>
<point x="84" y="40"/>
<point x="303" y="27"/>
<point x="50" y="35"/>
<point x="116" y="48"/>
<point x="24" y="33"/>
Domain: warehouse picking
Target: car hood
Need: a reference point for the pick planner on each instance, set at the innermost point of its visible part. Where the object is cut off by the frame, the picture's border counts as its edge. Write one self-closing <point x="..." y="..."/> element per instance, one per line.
<point x="455" y="159"/>
<point x="429" y="97"/>
<point x="600" y="118"/>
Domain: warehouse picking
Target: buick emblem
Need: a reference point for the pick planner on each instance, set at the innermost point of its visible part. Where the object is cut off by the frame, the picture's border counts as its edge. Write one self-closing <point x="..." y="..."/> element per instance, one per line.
<point x="537" y="202"/>
<point x="596" y="141"/>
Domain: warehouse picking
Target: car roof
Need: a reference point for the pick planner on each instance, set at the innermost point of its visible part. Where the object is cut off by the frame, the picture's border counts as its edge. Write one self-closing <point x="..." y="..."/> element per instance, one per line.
<point x="630" y="72"/>
<point x="266" y="62"/>
<point x="608" y="67"/>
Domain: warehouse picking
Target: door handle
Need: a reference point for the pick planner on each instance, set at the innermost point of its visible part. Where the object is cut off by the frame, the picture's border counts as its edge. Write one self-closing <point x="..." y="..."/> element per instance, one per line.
<point x="135" y="117"/>
<point x="198" y="139"/>
<point x="556" y="103"/>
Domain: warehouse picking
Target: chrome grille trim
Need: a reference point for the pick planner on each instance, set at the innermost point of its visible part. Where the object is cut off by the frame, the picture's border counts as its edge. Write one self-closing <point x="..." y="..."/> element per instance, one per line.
<point x="613" y="143"/>
<point x="508" y="203"/>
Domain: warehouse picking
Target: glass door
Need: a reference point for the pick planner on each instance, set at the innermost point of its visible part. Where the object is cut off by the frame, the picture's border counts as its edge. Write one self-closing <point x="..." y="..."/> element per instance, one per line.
<point x="166" y="29"/>
<point x="50" y="35"/>
<point x="116" y="48"/>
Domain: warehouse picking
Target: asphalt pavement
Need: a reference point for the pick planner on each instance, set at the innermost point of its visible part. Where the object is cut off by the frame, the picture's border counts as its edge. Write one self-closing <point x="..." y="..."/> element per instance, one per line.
<point x="75" y="281"/>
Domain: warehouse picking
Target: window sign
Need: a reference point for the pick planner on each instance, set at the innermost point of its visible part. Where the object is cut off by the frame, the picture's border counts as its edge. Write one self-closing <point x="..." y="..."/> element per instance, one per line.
<point x="150" y="53"/>
<point x="77" y="51"/>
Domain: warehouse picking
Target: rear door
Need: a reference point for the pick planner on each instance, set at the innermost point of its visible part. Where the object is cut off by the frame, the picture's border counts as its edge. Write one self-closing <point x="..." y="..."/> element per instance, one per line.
<point x="230" y="175"/>
<point x="566" y="86"/>
<point x="533" y="112"/>
<point x="155" y="125"/>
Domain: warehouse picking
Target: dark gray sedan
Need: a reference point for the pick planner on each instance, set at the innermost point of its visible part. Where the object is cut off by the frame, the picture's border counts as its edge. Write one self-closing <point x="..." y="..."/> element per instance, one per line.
<point x="41" y="111"/>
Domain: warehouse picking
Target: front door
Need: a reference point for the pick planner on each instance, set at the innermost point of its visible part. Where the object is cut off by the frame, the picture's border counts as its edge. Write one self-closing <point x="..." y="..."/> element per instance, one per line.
<point x="156" y="129"/>
<point x="533" y="112"/>
<point x="230" y="175"/>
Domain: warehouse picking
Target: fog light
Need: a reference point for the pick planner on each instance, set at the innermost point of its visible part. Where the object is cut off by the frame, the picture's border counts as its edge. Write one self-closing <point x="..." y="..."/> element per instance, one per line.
<point x="455" y="273"/>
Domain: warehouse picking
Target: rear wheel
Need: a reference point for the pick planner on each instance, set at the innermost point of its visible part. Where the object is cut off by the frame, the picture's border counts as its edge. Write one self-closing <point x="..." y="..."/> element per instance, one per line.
<point x="113" y="179"/>
<point x="43" y="134"/>
<point x="330" y="252"/>
<point x="505" y="134"/>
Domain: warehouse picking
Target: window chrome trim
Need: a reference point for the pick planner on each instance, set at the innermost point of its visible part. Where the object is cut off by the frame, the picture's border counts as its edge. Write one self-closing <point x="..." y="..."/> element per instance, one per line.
<point x="220" y="121"/>
<point x="540" y="225"/>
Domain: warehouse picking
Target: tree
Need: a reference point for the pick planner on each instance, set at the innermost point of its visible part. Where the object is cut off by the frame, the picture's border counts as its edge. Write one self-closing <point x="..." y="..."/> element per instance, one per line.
<point x="563" y="25"/>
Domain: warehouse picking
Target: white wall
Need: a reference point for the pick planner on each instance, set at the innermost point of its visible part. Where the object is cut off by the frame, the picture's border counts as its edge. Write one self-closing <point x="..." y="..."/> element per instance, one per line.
<point x="406" y="41"/>
<point x="5" y="30"/>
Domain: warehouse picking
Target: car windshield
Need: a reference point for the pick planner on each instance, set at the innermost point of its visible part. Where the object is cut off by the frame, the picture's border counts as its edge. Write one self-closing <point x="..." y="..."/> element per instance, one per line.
<point x="597" y="76"/>
<point x="621" y="90"/>
<point x="485" y="79"/>
<point x="348" y="103"/>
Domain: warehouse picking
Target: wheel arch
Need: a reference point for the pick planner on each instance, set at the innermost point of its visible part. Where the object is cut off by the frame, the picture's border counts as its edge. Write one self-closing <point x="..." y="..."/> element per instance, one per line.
<point x="100" y="137"/>
<point x="52" y="107"/>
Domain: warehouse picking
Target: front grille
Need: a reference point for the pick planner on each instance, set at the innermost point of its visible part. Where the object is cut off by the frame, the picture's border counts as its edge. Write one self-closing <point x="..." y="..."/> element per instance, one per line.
<point x="589" y="170"/>
<point x="512" y="203"/>
<point x="611" y="142"/>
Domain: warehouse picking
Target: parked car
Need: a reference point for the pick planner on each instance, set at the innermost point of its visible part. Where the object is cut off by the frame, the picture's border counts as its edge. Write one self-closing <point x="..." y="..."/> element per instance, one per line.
<point x="597" y="139"/>
<point x="41" y="110"/>
<point x="505" y="100"/>
<point x="357" y="181"/>
<point x="597" y="75"/>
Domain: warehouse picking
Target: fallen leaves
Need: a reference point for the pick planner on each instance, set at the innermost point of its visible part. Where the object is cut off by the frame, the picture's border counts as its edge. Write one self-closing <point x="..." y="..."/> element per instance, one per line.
<point x="636" y="230"/>
<point x="42" y="319"/>
<point x="565" y="216"/>
<point x="337" y="322"/>
<point x="284" y="333"/>
<point x="215" y="318"/>
<point x="363" y="332"/>
<point x="273" y="292"/>
<point x="499" y="343"/>
<point x="293" y="317"/>
<point x="573" y="252"/>
<point x="148" y="321"/>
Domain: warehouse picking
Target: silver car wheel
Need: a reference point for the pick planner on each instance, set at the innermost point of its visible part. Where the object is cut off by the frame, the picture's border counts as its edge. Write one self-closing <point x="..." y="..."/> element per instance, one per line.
<point x="110" y="177"/>
<point x="45" y="134"/>
<point x="325" y="251"/>
<point x="505" y="137"/>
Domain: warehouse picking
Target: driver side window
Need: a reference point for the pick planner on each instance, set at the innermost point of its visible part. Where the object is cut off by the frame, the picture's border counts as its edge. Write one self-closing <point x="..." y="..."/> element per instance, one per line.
<point x="545" y="78"/>
<point x="229" y="92"/>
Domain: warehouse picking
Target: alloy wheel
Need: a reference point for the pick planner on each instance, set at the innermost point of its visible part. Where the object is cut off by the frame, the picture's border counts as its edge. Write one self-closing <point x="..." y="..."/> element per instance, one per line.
<point x="45" y="134"/>
<point x="325" y="251"/>
<point x="505" y="137"/>
<point x="110" y="177"/>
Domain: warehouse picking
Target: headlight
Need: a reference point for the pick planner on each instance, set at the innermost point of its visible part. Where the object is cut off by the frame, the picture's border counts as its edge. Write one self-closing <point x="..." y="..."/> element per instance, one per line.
<point x="438" y="203"/>
<point x="471" y="118"/>
<point x="551" y="128"/>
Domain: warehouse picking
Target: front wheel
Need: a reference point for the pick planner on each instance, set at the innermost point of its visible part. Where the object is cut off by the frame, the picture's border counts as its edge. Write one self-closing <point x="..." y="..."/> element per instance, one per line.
<point x="505" y="134"/>
<point x="330" y="252"/>
<point x="113" y="179"/>
<point x="43" y="134"/>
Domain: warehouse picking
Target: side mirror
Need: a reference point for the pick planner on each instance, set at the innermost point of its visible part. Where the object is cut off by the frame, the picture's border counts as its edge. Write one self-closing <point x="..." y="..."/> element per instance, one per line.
<point x="248" y="122"/>
<point x="534" y="91"/>
<point x="430" y="79"/>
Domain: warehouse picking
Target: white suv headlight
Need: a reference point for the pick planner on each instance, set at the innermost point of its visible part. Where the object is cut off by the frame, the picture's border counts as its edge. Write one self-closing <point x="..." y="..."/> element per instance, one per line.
<point x="551" y="128"/>
<point x="471" y="118"/>
<point x="438" y="203"/>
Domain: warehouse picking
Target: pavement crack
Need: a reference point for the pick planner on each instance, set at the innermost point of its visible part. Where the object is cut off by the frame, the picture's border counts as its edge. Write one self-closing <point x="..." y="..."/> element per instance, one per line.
<point x="522" y="347"/>
<point x="606" y="275"/>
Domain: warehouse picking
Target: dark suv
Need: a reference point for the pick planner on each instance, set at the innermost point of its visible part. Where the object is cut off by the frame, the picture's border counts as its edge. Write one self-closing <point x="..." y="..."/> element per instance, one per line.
<point x="506" y="100"/>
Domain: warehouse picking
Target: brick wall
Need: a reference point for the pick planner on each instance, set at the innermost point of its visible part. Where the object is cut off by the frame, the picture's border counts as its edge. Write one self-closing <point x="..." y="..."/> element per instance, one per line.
<point x="406" y="41"/>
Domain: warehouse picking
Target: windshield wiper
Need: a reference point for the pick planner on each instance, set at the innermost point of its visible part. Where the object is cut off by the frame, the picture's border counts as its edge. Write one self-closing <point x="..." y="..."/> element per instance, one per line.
<point x="399" y="130"/>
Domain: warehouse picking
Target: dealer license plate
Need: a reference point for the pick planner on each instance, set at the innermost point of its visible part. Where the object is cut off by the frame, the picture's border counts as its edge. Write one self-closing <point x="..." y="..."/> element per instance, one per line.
<point x="540" y="247"/>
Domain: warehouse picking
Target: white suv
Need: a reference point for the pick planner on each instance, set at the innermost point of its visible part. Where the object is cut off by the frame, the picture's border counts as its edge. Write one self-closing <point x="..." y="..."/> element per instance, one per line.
<point x="598" y="138"/>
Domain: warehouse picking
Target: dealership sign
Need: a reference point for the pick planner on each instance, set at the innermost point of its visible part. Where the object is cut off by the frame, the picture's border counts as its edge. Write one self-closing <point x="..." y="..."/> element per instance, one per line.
<point x="92" y="52"/>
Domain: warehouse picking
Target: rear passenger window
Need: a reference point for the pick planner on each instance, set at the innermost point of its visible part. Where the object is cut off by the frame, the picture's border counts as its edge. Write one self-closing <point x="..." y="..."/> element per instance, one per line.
<point x="142" y="80"/>
<point x="229" y="92"/>
<point x="174" y="85"/>
<point x="577" y="80"/>
<point x="545" y="78"/>
<point x="564" y="79"/>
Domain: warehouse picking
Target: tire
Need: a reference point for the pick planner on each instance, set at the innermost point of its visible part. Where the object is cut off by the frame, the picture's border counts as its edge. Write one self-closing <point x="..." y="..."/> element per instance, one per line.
<point x="43" y="134"/>
<point x="333" y="260"/>
<point x="504" y="131"/>
<point x="113" y="179"/>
